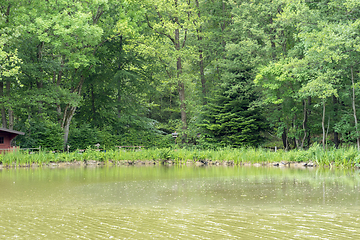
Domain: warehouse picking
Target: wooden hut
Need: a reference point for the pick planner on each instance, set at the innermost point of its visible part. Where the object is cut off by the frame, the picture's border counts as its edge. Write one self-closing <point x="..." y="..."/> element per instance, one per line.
<point x="6" y="137"/>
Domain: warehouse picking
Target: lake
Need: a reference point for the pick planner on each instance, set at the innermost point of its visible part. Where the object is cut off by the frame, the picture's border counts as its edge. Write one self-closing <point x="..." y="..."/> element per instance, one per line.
<point x="179" y="202"/>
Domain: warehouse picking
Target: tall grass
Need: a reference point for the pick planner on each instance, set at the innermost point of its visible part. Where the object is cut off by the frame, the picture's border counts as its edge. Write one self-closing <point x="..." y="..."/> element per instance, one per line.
<point x="344" y="157"/>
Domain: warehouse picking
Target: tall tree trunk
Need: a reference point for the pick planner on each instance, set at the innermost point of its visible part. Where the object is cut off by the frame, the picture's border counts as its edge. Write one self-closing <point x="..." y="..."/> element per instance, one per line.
<point x="323" y="124"/>
<point x="304" y="124"/>
<point x="354" y="109"/>
<point x="181" y="85"/>
<point x="201" y="59"/>
<point x="57" y="81"/>
<point x="296" y="140"/>
<point x="336" y="134"/>
<point x="308" y="137"/>
<point x="285" y="140"/>
<point x="69" y="112"/>
<point x="182" y="97"/>
<point x="11" y="119"/>
<point x="202" y="77"/>
<point x="10" y="111"/>
<point x="3" y="112"/>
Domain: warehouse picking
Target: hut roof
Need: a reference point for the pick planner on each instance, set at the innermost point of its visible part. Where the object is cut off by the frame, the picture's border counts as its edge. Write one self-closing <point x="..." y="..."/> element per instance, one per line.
<point x="12" y="131"/>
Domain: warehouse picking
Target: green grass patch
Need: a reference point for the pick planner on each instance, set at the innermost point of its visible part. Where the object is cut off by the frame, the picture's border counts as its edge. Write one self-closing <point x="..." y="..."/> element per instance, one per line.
<point x="344" y="157"/>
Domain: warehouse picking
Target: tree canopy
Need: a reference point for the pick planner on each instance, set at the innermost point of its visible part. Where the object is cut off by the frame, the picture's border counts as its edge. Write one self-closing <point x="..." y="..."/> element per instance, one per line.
<point x="220" y="72"/>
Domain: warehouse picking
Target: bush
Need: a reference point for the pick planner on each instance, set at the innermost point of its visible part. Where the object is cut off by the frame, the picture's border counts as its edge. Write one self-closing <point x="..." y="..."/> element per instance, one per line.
<point x="83" y="136"/>
<point x="41" y="132"/>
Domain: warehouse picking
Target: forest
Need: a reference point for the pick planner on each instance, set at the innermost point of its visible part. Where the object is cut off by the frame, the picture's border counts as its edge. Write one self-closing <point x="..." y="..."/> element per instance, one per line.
<point x="221" y="73"/>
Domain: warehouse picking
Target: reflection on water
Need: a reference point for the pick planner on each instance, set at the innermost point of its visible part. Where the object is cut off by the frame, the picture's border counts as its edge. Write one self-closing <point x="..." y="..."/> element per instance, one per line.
<point x="179" y="203"/>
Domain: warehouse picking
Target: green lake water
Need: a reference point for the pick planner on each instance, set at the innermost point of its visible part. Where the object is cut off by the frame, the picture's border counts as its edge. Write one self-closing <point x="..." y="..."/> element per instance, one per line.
<point x="179" y="203"/>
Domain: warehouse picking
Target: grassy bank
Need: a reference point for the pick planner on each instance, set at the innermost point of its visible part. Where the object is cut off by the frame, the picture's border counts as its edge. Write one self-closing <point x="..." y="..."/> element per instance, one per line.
<point x="344" y="157"/>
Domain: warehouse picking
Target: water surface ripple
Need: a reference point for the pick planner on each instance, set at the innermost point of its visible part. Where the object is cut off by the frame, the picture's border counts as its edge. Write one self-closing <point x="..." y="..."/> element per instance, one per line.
<point x="179" y="203"/>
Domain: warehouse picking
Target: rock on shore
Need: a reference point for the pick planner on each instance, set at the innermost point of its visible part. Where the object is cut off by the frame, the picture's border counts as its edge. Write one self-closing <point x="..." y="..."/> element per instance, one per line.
<point x="198" y="163"/>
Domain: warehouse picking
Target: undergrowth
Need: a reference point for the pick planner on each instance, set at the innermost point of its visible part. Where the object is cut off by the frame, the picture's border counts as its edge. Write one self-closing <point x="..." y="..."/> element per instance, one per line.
<point x="345" y="157"/>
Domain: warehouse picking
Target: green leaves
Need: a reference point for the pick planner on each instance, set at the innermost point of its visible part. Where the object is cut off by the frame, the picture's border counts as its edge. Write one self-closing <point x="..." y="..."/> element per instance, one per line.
<point x="320" y="87"/>
<point x="9" y="63"/>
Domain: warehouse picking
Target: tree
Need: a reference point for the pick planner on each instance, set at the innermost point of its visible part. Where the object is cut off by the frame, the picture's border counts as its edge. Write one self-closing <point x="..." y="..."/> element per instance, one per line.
<point x="174" y="21"/>
<point x="68" y="36"/>
<point x="258" y="40"/>
<point x="229" y="120"/>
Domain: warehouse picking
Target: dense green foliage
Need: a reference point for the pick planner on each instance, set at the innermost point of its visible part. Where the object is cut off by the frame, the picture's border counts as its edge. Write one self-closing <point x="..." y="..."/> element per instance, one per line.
<point x="220" y="72"/>
<point x="229" y="120"/>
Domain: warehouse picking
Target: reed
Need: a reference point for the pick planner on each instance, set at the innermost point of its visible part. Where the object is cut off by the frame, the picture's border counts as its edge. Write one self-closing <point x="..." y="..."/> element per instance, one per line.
<point x="344" y="157"/>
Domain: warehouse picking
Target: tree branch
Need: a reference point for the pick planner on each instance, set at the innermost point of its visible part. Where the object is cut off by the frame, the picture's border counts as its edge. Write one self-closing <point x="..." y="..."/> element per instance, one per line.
<point x="184" y="38"/>
<point x="160" y="33"/>
<point x="98" y="15"/>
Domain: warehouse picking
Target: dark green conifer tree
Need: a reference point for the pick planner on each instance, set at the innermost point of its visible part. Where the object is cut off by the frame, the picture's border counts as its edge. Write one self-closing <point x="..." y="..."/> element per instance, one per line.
<point x="230" y="120"/>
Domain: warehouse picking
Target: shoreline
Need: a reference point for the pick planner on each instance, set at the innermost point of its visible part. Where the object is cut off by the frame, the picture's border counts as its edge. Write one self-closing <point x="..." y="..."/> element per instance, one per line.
<point x="339" y="158"/>
<point x="203" y="163"/>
